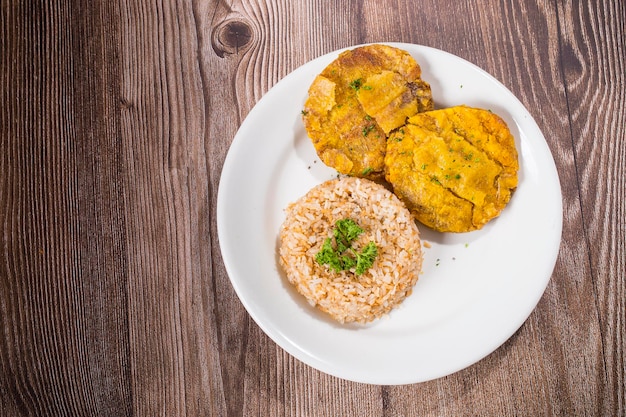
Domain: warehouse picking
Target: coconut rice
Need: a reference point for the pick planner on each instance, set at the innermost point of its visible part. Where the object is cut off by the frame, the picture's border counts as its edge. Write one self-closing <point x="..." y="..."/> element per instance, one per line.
<point x="345" y="296"/>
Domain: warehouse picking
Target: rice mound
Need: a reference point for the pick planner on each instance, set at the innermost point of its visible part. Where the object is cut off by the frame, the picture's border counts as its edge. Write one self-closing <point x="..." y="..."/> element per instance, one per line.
<point x="345" y="296"/>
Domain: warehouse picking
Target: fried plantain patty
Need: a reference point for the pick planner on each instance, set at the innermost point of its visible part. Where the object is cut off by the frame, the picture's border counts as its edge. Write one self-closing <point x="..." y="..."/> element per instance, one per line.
<point x="357" y="100"/>
<point x="454" y="168"/>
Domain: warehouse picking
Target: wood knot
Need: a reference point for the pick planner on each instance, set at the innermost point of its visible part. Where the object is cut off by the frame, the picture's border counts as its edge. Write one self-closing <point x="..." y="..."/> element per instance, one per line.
<point x="126" y="103"/>
<point x="231" y="37"/>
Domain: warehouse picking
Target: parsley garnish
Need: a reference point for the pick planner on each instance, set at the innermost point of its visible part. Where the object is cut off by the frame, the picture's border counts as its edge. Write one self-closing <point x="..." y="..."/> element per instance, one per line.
<point x="356" y="84"/>
<point x="367" y="129"/>
<point x="328" y="256"/>
<point x="343" y="256"/>
<point x="365" y="258"/>
<point x="346" y="231"/>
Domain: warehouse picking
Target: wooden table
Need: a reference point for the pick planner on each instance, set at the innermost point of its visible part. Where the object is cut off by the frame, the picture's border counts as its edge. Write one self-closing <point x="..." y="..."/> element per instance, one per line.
<point x="116" y="117"/>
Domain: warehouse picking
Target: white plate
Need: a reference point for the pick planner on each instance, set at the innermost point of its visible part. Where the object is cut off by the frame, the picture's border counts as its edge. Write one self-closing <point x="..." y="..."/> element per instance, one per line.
<point x="476" y="289"/>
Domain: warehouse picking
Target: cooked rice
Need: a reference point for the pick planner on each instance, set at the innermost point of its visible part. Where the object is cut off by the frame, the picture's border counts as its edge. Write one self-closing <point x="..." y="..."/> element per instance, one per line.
<point x="348" y="297"/>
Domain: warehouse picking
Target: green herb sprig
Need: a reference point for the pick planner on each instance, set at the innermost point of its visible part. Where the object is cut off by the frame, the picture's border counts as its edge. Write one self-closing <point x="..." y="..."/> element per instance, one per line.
<point x="342" y="256"/>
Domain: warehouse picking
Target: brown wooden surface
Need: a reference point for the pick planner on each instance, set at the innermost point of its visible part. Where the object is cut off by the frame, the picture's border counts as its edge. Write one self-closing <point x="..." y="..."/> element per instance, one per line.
<point x="115" y="120"/>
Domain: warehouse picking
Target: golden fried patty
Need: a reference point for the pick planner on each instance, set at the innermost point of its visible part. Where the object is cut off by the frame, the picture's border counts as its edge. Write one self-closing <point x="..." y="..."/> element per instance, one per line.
<point x="357" y="101"/>
<point x="454" y="168"/>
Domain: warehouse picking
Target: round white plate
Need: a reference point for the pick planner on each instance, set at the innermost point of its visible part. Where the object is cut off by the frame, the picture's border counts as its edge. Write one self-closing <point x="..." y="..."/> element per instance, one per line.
<point x="476" y="288"/>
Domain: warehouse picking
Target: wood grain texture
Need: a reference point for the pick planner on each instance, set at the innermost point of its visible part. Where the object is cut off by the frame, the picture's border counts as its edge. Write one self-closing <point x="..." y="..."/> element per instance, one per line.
<point x="595" y="76"/>
<point x="63" y="349"/>
<point x="116" y="119"/>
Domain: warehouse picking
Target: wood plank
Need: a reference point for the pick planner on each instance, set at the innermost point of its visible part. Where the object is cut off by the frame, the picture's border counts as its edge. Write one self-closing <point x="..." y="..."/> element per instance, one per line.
<point x="170" y="192"/>
<point x="63" y="347"/>
<point x="593" y="52"/>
